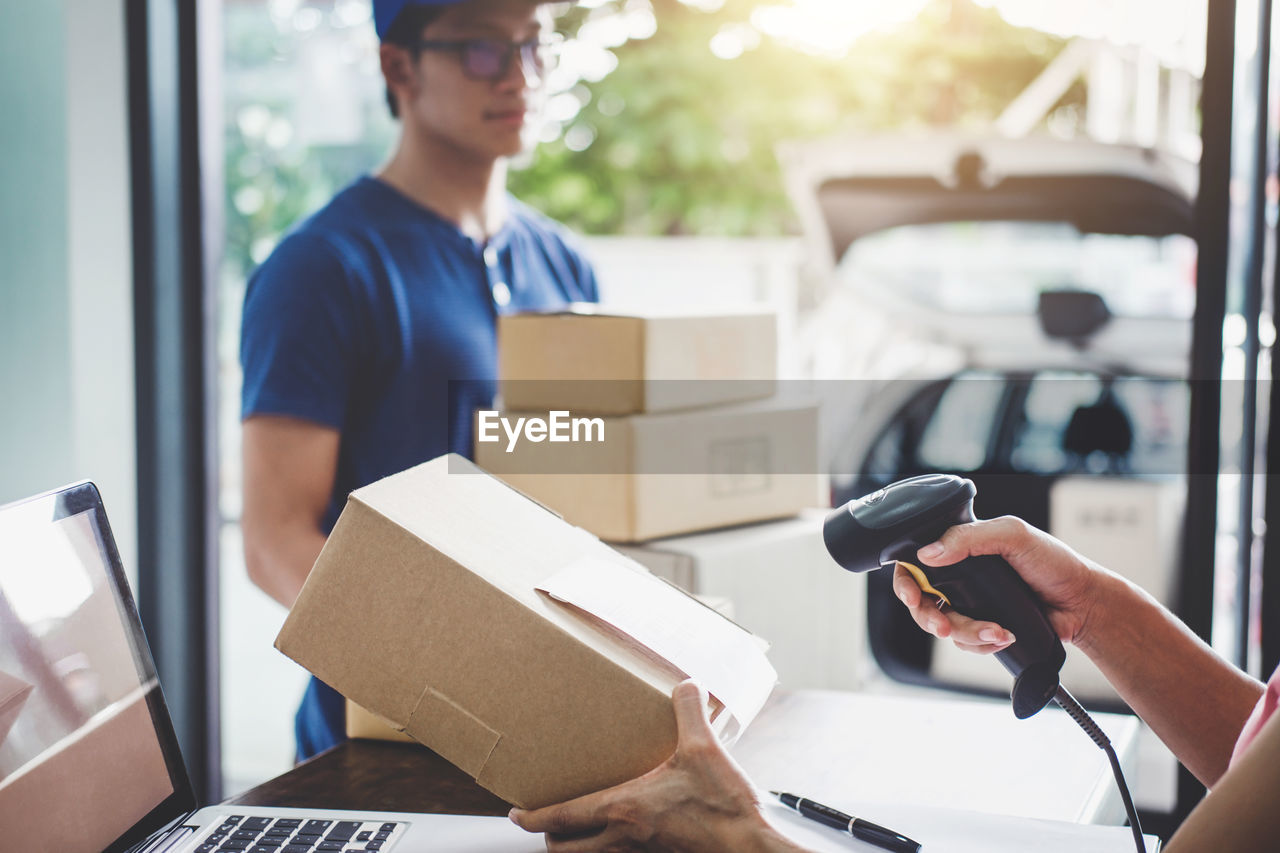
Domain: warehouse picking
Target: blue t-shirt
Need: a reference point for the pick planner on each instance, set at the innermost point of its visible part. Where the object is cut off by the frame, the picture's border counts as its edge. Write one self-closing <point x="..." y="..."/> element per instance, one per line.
<point x="375" y="316"/>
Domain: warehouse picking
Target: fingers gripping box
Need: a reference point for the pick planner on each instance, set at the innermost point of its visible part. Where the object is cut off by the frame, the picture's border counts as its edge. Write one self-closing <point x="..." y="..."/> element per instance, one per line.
<point x="520" y="648"/>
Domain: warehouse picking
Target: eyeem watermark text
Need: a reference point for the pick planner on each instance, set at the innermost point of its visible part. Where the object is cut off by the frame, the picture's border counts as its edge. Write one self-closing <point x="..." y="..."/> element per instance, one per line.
<point x="558" y="426"/>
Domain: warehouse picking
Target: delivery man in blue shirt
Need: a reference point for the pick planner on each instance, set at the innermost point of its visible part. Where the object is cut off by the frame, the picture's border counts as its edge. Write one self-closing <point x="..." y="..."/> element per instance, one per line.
<point x="369" y="334"/>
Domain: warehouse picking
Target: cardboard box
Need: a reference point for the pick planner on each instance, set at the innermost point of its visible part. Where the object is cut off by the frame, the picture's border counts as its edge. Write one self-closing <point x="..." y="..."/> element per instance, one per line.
<point x="425" y="608"/>
<point x="658" y="475"/>
<point x="784" y="586"/>
<point x="367" y="725"/>
<point x="592" y="362"/>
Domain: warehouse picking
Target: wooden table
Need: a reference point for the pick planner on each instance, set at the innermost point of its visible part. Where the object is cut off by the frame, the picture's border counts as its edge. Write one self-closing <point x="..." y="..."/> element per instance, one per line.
<point x="842" y="748"/>
<point x="377" y="776"/>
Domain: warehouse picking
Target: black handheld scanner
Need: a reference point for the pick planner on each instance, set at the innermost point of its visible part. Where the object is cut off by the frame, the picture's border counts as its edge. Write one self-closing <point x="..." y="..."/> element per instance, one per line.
<point x="891" y="525"/>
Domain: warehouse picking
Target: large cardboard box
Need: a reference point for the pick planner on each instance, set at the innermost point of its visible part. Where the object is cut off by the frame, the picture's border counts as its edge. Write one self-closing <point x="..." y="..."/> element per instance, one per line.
<point x="592" y="362"/>
<point x="656" y="475"/>
<point x="783" y="585"/>
<point x="367" y="725"/>
<point x="520" y="648"/>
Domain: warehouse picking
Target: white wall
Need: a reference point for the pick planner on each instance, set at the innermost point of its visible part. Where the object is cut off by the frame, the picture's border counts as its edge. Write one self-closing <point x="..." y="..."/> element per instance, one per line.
<point x="35" y="382"/>
<point x="66" y="328"/>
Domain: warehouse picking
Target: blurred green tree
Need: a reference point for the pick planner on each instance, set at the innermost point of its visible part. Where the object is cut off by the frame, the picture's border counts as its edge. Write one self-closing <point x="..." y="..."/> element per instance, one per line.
<point x="675" y="140"/>
<point x="682" y="141"/>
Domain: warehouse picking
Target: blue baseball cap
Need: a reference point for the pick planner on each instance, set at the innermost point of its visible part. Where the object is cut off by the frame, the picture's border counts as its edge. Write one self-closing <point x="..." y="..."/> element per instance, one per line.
<point x="385" y="11"/>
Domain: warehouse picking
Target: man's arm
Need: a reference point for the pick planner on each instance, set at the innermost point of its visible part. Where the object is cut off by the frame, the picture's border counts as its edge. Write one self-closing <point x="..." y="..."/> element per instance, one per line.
<point x="289" y="470"/>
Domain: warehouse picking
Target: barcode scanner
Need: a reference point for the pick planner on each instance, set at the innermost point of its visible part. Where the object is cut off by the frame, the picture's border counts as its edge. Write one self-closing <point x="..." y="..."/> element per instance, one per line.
<point x="888" y="527"/>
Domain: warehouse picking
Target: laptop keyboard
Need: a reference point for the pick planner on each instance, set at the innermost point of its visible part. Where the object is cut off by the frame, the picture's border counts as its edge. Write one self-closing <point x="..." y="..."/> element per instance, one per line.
<point x="240" y="834"/>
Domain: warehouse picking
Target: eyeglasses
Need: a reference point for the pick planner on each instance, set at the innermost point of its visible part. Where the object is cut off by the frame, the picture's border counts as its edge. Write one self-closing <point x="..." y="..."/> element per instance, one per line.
<point x="489" y="60"/>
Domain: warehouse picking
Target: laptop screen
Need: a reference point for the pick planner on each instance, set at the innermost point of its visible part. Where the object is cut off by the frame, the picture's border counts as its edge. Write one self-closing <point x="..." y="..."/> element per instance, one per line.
<point x="88" y="761"/>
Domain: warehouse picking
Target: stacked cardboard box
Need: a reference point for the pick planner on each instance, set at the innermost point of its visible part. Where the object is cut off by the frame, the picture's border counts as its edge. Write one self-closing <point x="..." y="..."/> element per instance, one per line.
<point x="705" y="464"/>
<point x="698" y="444"/>
<point x="688" y="393"/>
<point x="683" y="427"/>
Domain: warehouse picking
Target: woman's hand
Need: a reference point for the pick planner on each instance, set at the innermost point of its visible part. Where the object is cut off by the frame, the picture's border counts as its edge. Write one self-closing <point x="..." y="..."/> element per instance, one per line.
<point x="697" y="800"/>
<point x="1066" y="582"/>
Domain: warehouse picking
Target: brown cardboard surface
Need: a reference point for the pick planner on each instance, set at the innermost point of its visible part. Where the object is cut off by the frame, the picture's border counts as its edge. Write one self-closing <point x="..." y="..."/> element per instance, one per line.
<point x="422" y="608"/>
<point x="368" y="725"/>
<point x="746" y="462"/>
<point x="91" y="788"/>
<point x="616" y="364"/>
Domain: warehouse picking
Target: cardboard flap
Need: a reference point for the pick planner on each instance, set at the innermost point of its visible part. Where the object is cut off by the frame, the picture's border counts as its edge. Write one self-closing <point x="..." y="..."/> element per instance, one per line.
<point x="364" y="724"/>
<point x="452" y="731"/>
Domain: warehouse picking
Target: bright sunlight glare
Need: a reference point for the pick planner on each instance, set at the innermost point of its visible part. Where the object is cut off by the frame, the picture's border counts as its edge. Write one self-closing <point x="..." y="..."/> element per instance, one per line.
<point x="1172" y="29"/>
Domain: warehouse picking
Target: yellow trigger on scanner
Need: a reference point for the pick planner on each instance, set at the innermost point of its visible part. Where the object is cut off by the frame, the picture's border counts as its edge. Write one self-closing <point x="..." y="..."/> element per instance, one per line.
<point x="922" y="581"/>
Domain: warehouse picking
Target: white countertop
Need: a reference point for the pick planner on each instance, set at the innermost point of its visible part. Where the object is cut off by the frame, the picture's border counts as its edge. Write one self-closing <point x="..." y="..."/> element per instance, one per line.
<point x="956" y="753"/>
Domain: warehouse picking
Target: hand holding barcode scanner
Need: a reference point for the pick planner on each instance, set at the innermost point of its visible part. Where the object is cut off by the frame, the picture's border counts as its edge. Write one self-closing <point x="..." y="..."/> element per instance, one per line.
<point x="986" y="596"/>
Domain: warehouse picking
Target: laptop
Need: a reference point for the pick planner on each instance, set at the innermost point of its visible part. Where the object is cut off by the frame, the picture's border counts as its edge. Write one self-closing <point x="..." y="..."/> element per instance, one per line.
<point x="88" y="757"/>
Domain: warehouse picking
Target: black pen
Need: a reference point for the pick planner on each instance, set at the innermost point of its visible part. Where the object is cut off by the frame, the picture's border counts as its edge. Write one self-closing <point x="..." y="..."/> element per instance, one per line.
<point x="863" y="830"/>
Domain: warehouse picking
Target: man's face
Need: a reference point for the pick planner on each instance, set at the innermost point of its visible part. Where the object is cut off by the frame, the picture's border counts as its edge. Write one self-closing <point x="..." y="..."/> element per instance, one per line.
<point x="484" y="118"/>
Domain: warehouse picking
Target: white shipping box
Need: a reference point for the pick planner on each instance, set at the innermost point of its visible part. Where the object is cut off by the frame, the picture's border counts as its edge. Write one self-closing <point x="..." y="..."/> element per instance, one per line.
<point x="784" y="586"/>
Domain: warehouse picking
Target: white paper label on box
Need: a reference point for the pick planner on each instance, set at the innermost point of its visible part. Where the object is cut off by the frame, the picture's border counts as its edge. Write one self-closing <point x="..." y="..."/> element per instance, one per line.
<point x="719" y="655"/>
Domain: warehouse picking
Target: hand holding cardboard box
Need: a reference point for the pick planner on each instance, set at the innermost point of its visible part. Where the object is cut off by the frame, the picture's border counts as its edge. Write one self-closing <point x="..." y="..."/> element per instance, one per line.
<point x="424" y="608"/>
